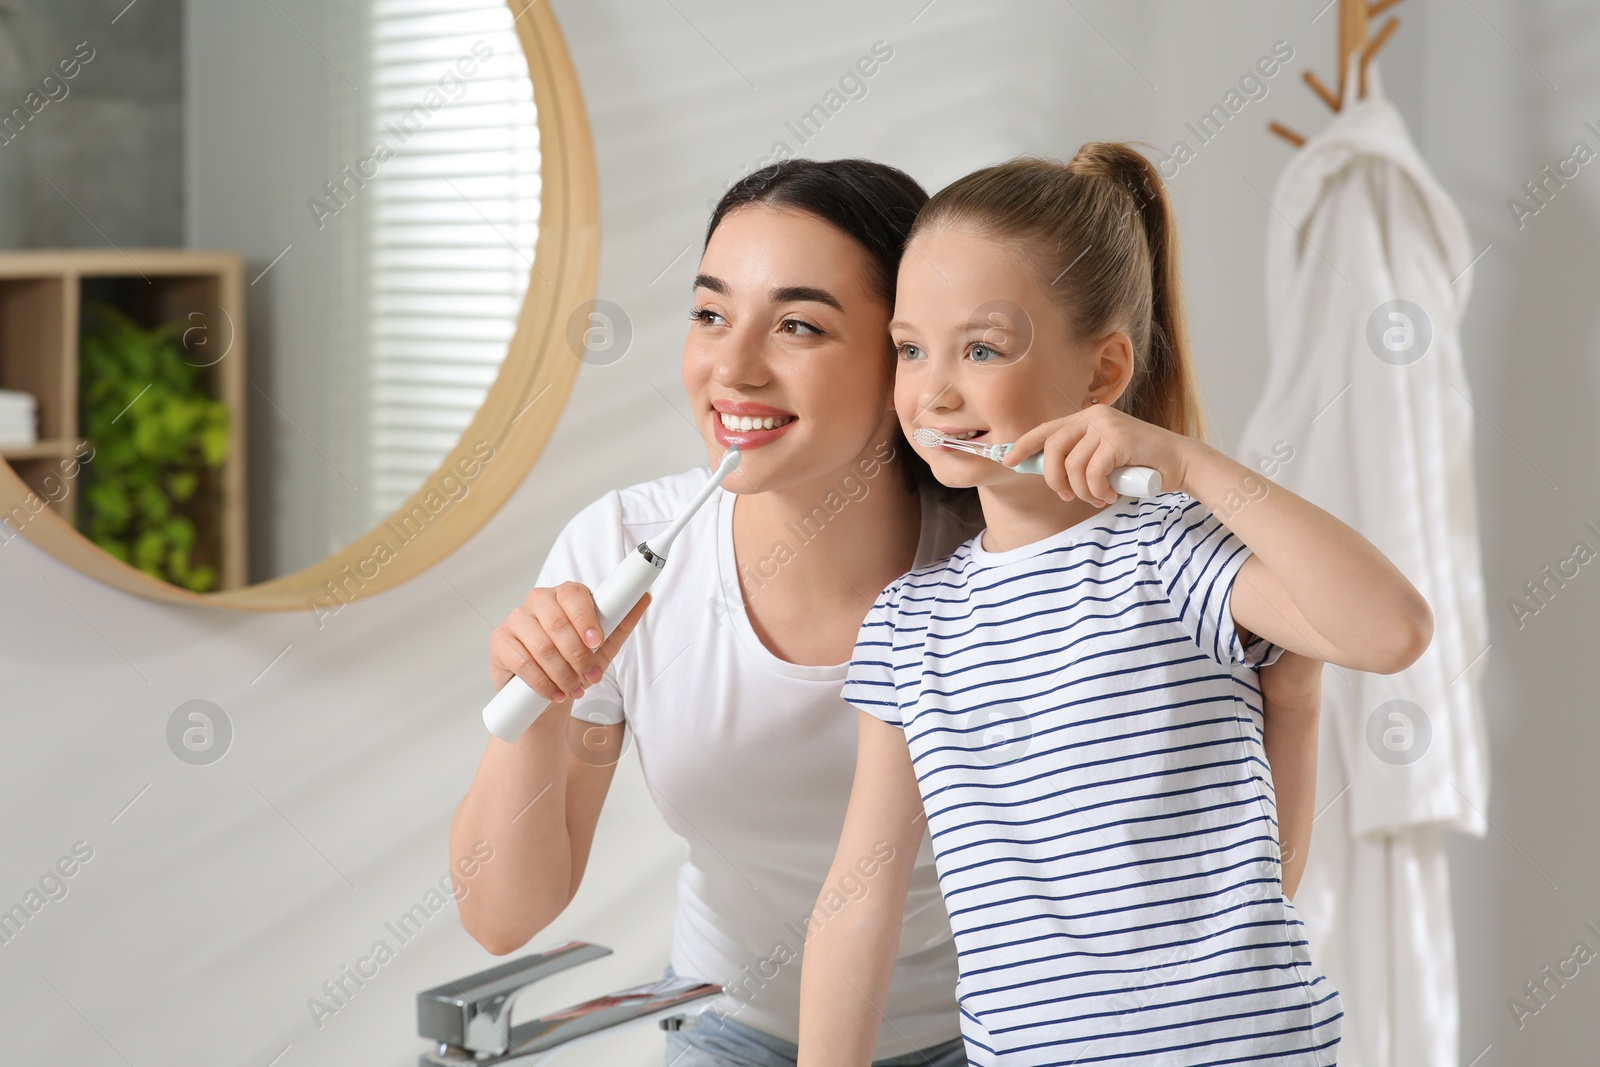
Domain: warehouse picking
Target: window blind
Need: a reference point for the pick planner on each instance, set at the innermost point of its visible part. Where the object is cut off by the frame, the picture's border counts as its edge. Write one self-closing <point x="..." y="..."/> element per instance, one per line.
<point x="453" y="217"/>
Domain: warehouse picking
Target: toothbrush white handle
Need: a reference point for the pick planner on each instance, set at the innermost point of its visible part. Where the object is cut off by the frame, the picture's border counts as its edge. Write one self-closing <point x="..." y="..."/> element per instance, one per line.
<point x="516" y="706"/>
<point x="1136" y="481"/>
<point x="1129" y="481"/>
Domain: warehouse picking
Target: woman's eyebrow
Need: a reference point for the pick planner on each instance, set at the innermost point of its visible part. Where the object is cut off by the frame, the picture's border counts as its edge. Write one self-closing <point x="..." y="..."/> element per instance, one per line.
<point x="782" y="295"/>
<point x="789" y="293"/>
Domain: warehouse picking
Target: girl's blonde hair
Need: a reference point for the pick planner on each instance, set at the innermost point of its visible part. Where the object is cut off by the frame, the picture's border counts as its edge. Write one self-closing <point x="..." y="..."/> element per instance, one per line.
<point x="1072" y="220"/>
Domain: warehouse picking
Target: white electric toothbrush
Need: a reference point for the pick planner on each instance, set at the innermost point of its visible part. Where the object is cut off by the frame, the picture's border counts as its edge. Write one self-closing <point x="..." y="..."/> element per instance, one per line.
<point x="1129" y="481"/>
<point x="516" y="706"/>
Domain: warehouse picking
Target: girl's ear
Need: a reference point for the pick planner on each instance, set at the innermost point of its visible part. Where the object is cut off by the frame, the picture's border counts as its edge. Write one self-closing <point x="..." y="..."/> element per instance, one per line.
<point x="1112" y="359"/>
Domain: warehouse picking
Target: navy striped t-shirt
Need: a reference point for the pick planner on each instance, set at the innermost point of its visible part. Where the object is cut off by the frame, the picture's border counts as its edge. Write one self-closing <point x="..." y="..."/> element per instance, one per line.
<point x="1085" y="725"/>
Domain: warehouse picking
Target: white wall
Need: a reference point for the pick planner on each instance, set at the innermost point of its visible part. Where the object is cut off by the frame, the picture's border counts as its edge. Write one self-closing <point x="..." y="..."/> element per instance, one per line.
<point x="223" y="897"/>
<point x="267" y="123"/>
<point x="1509" y="91"/>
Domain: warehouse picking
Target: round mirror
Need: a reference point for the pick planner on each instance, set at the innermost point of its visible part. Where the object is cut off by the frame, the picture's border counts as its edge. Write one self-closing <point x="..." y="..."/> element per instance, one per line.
<point x="284" y="317"/>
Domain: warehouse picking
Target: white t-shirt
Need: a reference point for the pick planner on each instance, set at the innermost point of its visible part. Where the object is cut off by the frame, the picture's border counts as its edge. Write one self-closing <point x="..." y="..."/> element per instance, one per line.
<point x="750" y="758"/>
<point x="1085" y="724"/>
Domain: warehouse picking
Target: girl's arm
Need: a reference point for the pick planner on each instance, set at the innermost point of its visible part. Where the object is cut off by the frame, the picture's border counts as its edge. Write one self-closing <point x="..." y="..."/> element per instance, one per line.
<point x="1312" y="584"/>
<point x="1291" y="691"/>
<point x="851" y="947"/>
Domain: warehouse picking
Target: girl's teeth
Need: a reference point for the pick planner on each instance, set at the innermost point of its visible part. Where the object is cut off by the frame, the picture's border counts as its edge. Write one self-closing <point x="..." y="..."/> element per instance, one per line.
<point x="969" y="435"/>
<point x="746" y="422"/>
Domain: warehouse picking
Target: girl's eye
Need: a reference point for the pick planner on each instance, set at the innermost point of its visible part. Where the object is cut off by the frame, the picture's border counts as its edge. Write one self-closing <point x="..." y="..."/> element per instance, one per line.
<point x="707" y="317"/>
<point x="909" y="351"/>
<point x="798" y="325"/>
<point x="983" y="354"/>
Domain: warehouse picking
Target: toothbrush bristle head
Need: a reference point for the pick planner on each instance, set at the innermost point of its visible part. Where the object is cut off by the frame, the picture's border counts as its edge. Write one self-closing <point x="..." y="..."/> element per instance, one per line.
<point x="927" y="437"/>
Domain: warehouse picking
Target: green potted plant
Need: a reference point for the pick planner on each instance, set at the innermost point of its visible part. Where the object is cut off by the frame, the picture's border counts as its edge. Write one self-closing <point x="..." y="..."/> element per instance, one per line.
<point x="156" y="433"/>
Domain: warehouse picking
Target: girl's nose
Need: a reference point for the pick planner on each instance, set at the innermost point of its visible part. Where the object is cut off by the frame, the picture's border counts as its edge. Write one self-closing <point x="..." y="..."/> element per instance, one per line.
<point x="938" y="392"/>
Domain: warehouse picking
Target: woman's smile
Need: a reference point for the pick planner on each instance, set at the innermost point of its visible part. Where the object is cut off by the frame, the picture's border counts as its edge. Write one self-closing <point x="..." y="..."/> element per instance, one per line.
<point x="747" y="424"/>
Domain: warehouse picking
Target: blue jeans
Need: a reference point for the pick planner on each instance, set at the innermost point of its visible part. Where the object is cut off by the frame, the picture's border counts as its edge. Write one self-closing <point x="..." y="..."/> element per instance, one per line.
<point x="721" y="1041"/>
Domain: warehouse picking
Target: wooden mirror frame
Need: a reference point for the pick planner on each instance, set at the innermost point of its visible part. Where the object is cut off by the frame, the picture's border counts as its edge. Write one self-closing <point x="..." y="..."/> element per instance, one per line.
<point x="518" y="414"/>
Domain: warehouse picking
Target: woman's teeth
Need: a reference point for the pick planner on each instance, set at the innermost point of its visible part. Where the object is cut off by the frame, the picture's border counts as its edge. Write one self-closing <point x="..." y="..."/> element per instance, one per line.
<point x="745" y="422"/>
<point x="967" y="436"/>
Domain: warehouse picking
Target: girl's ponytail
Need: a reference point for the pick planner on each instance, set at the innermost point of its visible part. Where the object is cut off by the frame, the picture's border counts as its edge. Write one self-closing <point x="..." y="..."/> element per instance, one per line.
<point x="1107" y="273"/>
<point x="1166" y="394"/>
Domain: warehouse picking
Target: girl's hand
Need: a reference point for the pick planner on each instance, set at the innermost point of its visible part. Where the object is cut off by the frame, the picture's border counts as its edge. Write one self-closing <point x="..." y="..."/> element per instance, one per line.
<point x="1082" y="449"/>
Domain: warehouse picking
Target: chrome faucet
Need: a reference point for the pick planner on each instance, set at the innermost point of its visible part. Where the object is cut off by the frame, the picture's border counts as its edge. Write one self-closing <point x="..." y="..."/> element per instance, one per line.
<point x="470" y="1019"/>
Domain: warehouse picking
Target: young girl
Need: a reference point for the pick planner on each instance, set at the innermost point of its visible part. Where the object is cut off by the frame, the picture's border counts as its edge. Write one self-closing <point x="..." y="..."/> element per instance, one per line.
<point x="1071" y="699"/>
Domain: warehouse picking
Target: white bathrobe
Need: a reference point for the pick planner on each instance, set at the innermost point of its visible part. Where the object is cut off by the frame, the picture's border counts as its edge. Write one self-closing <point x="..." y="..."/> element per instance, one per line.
<point x="1371" y="422"/>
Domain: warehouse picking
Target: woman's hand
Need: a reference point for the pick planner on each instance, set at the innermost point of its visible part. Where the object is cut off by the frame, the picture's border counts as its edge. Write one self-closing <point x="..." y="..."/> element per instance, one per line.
<point x="1293" y="682"/>
<point x="1082" y="449"/>
<point x="552" y="641"/>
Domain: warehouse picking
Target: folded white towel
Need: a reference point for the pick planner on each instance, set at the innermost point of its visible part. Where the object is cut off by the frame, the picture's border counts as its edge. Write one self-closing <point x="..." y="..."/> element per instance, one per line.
<point x="19" y="418"/>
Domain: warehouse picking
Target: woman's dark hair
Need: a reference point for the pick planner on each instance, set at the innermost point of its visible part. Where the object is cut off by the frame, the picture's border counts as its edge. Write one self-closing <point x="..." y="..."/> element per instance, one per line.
<point x="874" y="205"/>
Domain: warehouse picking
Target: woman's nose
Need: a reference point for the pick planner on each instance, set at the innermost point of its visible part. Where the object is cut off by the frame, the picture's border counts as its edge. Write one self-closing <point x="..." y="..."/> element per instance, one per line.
<point x="742" y="359"/>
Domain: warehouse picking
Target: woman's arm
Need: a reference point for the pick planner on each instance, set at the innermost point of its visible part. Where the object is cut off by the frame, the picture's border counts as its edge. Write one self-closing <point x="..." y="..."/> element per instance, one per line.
<point x="1291" y="692"/>
<point x="850" y="952"/>
<point x="536" y="801"/>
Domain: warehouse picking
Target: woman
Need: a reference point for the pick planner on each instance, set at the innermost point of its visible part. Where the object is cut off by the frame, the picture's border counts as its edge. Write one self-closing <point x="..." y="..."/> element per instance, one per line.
<point x="732" y="683"/>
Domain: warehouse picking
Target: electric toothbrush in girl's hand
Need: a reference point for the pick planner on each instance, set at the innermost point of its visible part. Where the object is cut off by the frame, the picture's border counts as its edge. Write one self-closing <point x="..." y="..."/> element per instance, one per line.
<point x="515" y="707"/>
<point x="1074" y="468"/>
<point x="1128" y="481"/>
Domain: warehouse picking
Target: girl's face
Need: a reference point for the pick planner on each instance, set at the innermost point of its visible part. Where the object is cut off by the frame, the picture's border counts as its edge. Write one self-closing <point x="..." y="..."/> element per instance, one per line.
<point x="788" y="353"/>
<point x="983" y="352"/>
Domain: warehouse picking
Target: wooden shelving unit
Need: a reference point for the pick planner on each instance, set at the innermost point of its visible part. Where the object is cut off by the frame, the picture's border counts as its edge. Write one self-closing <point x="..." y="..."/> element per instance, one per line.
<point x="43" y="295"/>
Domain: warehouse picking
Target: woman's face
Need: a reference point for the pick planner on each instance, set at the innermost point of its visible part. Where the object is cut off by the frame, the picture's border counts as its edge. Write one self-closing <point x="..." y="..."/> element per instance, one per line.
<point x="788" y="355"/>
